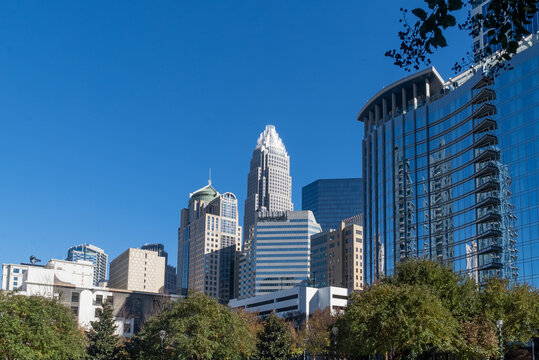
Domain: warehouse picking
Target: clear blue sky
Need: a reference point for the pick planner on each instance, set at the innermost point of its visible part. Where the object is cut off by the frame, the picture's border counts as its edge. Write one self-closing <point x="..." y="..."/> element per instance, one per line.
<point x="111" y="112"/>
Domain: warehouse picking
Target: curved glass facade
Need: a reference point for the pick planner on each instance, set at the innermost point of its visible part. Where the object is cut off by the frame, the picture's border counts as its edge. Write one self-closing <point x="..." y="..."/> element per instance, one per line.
<point x="450" y="172"/>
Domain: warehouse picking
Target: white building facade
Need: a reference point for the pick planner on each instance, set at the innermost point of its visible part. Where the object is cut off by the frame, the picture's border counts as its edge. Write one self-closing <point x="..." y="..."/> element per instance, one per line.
<point x="93" y="254"/>
<point x="277" y="256"/>
<point x="71" y="283"/>
<point x="299" y="299"/>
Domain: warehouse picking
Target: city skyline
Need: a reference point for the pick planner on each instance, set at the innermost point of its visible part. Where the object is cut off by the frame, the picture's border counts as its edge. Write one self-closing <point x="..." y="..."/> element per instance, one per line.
<point x="95" y="134"/>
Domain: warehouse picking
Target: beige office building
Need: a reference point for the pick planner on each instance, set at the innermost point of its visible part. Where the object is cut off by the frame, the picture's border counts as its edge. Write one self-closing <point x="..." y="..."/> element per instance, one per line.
<point x="138" y="270"/>
<point x="337" y="256"/>
<point x="209" y="240"/>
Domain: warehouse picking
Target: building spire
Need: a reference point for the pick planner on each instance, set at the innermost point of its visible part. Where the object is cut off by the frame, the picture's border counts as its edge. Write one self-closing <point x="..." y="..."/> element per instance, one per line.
<point x="209" y="179"/>
<point x="270" y="138"/>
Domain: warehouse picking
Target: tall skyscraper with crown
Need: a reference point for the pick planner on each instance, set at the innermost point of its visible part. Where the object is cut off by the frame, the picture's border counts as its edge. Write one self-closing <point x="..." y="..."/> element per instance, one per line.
<point x="269" y="184"/>
<point x="208" y="239"/>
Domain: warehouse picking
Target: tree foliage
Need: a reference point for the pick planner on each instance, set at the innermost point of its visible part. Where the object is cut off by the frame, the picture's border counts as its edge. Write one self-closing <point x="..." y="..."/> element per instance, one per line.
<point x="196" y="327"/>
<point x="504" y="23"/>
<point x="318" y="332"/>
<point x="102" y="342"/>
<point x="34" y="327"/>
<point x="517" y="305"/>
<point x="425" y="308"/>
<point x="274" y="342"/>
<point x="396" y="319"/>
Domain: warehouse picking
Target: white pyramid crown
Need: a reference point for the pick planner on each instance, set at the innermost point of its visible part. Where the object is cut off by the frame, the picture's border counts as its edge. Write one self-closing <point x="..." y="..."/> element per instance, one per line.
<point x="270" y="138"/>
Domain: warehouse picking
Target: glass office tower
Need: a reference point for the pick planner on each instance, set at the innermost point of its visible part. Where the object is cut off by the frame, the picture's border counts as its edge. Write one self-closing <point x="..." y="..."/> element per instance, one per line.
<point x="333" y="200"/>
<point x="93" y="254"/>
<point x="451" y="171"/>
<point x="277" y="257"/>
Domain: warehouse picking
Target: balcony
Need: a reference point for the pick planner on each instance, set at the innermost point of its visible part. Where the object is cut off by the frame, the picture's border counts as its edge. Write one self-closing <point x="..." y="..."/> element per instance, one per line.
<point x="488" y="231"/>
<point x="487" y="245"/>
<point x="484" y="81"/>
<point x="485" y="125"/>
<point x="491" y="264"/>
<point x="485" y="94"/>
<point x="487" y="183"/>
<point x="484" y="110"/>
<point x="490" y="198"/>
<point x="489" y="216"/>
<point x="486" y="168"/>
<point x="488" y="163"/>
<point x="485" y="139"/>
<point x="486" y="153"/>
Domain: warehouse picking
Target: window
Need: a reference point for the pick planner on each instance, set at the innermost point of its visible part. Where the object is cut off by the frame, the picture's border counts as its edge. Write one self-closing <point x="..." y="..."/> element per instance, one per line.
<point x="16" y="271"/>
<point x="75" y="297"/>
<point x="99" y="299"/>
<point x="75" y="310"/>
<point x="98" y="312"/>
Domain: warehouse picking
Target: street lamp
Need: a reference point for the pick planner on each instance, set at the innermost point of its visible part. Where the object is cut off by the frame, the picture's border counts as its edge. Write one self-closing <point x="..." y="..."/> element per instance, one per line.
<point x="162" y="334"/>
<point x="335" y="331"/>
<point x="499" y="325"/>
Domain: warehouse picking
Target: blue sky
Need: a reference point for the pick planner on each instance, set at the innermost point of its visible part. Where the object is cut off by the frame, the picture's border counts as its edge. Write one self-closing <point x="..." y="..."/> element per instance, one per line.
<point x="113" y="111"/>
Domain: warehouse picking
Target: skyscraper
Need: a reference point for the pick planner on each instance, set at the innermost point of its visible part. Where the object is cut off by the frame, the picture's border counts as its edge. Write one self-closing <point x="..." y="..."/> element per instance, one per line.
<point x="277" y="256"/>
<point x="170" y="271"/>
<point x="269" y="185"/>
<point x="209" y="238"/>
<point x="93" y="254"/>
<point x="332" y="200"/>
<point x="450" y="171"/>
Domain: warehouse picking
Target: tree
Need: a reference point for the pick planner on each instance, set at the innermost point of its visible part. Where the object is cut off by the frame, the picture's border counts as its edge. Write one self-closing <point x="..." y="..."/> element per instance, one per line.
<point x="34" y="327"/>
<point x="252" y="319"/>
<point x="274" y="342"/>
<point x="103" y="343"/>
<point x="457" y="293"/>
<point x="504" y="23"/>
<point x="402" y="320"/>
<point x="196" y="327"/>
<point x="295" y="322"/>
<point x="425" y="307"/>
<point x="517" y="305"/>
<point x="318" y="332"/>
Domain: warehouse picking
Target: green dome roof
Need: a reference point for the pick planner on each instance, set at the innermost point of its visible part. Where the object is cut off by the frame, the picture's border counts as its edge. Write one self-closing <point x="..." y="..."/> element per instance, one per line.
<point x="207" y="194"/>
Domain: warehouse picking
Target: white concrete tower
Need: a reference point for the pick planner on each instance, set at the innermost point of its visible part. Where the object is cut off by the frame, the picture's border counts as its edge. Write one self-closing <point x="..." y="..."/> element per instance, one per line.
<point x="269" y="185"/>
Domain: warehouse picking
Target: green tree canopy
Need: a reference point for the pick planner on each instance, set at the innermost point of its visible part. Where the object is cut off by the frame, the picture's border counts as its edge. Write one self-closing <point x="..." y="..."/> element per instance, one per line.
<point x="516" y="305"/>
<point x="457" y="293"/>
<point x="103" y="343"/>
<point x="274" y="341"/>
<point x="196" y="327"/>
<point x="425" y="307"/>
<point x="403" y="320"/>
<point x="33" y="327"/>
